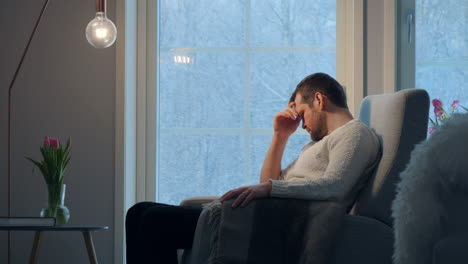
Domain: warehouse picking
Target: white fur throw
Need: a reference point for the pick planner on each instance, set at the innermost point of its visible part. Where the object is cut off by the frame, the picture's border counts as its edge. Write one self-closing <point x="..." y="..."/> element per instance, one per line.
<point x="438" y="168"/>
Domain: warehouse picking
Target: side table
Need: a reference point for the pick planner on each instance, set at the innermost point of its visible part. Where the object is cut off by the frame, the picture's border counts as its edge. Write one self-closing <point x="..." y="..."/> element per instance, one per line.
<point x="86" y="230"/>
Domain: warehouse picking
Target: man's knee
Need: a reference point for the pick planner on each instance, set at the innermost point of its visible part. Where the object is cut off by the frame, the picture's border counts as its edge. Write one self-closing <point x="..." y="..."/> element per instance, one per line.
<point x="137" y="210"/>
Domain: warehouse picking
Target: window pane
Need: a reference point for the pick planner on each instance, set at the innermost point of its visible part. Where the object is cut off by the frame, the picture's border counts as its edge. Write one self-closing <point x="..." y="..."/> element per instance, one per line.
<point x="259" y="149"/>
<point x="194" y="165"/>
<point x="441" y="50"/>
<point x="199" y="94"/>
<point x="225" y="68"/>
<point x="299" y="23"/>
<point x="201" y="23"/>
<point x="272" y="86"/>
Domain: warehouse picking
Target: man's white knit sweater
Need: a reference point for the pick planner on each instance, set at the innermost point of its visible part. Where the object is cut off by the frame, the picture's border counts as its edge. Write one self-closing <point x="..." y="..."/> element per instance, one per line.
<point x="334" y="168"/>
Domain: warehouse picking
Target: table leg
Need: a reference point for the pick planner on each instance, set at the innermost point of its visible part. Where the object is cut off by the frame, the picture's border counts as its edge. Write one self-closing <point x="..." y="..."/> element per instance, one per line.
<point x="35" y="247"/>
<point x="90" y="247"/>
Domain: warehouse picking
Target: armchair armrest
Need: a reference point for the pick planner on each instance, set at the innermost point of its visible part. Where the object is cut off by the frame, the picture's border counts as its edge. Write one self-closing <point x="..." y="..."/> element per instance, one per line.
<point x="363" y="240"/>
<point x="184" y="256"/>
<point x="198" y="200"/>
<point x="360" y="240"/>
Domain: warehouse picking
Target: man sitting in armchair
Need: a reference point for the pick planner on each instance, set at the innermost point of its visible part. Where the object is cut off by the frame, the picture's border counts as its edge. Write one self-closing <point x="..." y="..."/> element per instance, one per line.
<point x="331" y="167"/>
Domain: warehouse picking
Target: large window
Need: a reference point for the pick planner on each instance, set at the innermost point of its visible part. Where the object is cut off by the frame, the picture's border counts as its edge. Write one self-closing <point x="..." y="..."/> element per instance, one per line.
<point x="225" y="68"/>
<point x="441" y="49"/>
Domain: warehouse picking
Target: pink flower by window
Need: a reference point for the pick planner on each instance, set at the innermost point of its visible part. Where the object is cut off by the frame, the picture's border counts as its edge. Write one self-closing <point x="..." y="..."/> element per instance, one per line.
<point x="455" y="105"/>
<point x="431" y="129"/>
<point x="441" y="114"/>
<point x="437" y="103"/>
<point x="438" y="112"/>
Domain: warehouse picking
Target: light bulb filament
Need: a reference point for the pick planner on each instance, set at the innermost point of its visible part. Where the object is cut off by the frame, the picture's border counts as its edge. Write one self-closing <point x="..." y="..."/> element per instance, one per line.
<point x="101" y="33"/>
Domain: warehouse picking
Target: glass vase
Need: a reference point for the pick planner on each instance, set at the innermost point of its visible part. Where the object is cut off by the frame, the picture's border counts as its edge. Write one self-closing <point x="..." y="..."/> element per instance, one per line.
<point x="55" y="204"/>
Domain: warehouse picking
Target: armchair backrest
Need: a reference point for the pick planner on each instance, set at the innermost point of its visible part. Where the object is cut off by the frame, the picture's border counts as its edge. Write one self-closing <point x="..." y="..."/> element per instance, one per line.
<point x="400" y="120"/>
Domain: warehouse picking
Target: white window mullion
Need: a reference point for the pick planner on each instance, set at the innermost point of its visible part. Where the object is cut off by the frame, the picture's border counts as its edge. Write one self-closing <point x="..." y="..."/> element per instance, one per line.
<point x="350" y="50"/>
<point x="146" y="101"/>
<point x="151" y="99"/>
<point x="141" y="102"/>
<point x="406" y="59"/>
<point x="125" y="124"/>
<point x="247" y="137"/>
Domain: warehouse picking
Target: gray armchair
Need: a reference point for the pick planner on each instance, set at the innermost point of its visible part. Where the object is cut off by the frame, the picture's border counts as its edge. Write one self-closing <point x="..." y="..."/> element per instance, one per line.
<point x="400" y="120"/>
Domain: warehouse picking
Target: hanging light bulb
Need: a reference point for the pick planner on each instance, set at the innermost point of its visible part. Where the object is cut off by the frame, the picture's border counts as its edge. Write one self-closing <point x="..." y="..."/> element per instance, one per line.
<point x="101" y="31"/>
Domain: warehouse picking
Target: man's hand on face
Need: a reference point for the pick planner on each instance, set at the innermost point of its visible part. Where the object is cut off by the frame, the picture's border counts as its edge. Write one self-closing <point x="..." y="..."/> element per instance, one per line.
<point x="244" y="195"/>
<point x="286" y="121"/>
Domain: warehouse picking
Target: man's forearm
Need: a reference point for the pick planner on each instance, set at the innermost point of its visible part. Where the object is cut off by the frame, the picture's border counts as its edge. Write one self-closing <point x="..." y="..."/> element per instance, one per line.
<point x="271" y="168"/>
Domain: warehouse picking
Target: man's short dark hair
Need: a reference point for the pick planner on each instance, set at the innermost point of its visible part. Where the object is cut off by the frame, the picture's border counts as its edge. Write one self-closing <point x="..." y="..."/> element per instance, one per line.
<point x="324" y="84"/>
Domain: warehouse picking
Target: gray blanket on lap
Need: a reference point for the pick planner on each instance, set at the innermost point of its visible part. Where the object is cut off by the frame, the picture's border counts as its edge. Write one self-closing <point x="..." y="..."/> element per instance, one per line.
<point x="273" y="231"/>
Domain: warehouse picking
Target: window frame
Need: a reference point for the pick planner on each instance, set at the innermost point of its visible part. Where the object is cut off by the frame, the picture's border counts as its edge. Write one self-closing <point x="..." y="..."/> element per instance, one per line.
<point x="136" y="100"/>
<point x="350" y="50"/>
<point x="405" y="44"/>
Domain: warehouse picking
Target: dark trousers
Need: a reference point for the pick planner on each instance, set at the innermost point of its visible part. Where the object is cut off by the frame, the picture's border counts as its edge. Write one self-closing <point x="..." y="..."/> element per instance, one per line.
<point x="155" y="231"/>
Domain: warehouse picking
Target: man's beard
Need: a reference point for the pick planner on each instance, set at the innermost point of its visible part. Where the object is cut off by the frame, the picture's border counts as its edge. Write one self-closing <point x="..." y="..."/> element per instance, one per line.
<point x="321" y="129"/>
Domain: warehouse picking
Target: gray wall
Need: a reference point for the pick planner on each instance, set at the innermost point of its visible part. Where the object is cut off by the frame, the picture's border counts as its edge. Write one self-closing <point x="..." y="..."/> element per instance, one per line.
<point x="66" y="88"/>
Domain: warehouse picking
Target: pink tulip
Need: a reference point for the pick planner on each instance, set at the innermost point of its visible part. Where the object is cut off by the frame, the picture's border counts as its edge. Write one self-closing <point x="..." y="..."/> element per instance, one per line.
<point x="54" y="143"/>
<point x="437" y="103"/>
<point x="455" y="105"/>
<point x="438" y="112"/>
<point x="431" y="129"/>
<point x="46" y="142"/>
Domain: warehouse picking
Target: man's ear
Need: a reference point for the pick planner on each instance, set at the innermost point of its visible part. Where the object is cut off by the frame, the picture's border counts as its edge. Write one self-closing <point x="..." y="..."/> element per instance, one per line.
<point x="321" y="100"/>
